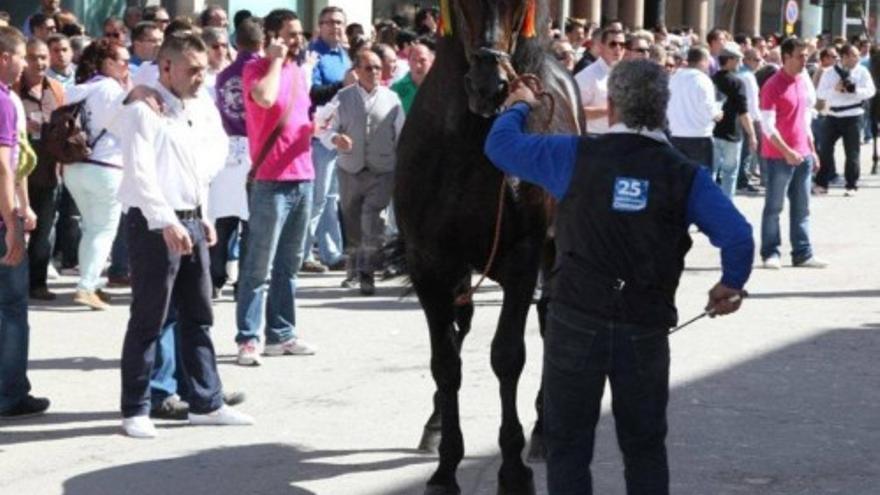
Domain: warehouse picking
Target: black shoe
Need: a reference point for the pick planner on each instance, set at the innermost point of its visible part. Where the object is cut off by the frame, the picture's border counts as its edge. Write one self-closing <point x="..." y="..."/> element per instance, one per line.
<point x="340" y="265"/>
<point x="313" y="267"/>
<point x="368" y="285"/>
<point x="215" y="293"/>
<point x="42" y="294"/>
<point x="28" y="407"/>
<point x="171" y="408"/>
<point x="233" y="398"/>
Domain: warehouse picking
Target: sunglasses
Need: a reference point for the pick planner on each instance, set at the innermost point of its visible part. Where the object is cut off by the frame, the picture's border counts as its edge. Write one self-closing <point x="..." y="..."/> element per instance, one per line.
<point x="615" y="44"/>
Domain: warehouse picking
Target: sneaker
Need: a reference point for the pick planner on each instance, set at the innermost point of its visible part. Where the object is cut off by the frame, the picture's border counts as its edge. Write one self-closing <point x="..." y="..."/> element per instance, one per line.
<point x="225" y="416"/>
<point x="118" y="282"/>
<point x="69" y="271"/>
<point x="248" y="354"/>
<point x="28" y="407"/>
<point x="773" y="263"/>
<point x="818" y="190"/>
<point x="42" y="294"/>
<point x="90" y="299"/>
<point x="139" y="427"/>
<point x="340" y="265"/>
<point x="812" y="262"/>
<point x="368" y="285"/>
<point x="849" y="193"/>
<point x="350" y="282"/>
<point x="52" y="272"/>
<point x="292" y="347"/>
<point x="171" y="408"/>
<point x="313" y="267"/>
<point x="103" y="296"/>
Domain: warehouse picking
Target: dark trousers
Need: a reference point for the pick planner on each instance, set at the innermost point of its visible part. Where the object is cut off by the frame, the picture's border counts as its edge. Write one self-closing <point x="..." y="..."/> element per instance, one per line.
<point x="43" y="202"/>
<point x="699" y="150"/>
<point x="67" y="230"/>
<point x="119" y="253"/>
<point x="580" y="353"/>
<point x="835" y="128"/>
<point x="227" y="228"/>
<point x="158" y="278"/>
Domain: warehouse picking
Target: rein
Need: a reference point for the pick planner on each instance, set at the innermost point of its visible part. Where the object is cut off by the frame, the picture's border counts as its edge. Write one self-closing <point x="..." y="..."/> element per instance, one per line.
<point x="537" y="87"/>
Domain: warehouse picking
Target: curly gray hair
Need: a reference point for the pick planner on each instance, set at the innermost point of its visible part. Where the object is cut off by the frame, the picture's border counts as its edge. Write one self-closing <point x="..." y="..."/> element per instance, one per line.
<point x="639" y="90"/>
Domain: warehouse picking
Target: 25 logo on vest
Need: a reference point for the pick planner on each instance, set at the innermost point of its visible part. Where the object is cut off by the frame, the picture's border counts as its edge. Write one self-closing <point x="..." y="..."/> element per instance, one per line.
<point x="630" y="194"/>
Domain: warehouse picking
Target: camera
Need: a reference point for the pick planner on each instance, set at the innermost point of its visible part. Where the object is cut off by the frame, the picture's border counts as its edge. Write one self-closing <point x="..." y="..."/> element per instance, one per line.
<point x="848" y="85"/>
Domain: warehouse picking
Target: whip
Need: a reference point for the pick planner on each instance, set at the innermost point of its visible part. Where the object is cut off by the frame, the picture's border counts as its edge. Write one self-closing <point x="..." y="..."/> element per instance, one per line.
<point x="709" y="312"/>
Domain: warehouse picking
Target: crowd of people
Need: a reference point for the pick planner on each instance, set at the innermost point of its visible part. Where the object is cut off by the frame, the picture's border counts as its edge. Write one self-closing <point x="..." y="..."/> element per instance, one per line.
<point x="252" y="156"/>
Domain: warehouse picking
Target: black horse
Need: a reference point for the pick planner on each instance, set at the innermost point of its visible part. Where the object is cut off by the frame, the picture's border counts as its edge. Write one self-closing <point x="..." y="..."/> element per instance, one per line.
<point x="446" y="199"/>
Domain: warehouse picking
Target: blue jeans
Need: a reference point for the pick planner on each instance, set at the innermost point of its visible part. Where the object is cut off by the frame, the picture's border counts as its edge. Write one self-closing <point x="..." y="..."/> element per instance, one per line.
<point x="279" y="216"/>
<point x="14" y="331"/>
<point x="784" y="179"/>
<point x="726" y="163"/>
<point x="580" y="353"/>
<point x="163" y="379"/>
<point x="324" y="225"/>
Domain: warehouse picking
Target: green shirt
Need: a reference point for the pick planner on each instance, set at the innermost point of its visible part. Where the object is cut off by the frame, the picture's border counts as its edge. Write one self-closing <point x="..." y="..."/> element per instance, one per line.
<point x="406" y="89"/>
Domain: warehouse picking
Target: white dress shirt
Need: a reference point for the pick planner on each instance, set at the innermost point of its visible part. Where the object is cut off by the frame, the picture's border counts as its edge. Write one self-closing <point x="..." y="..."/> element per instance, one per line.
<point x="753" y="96"/>
<point x="833" y="98"/>
<point x="692" y="105"/>
<point x="593" y="85"/>
<point x="169" y="160"/>
<point x="329" y="117"/>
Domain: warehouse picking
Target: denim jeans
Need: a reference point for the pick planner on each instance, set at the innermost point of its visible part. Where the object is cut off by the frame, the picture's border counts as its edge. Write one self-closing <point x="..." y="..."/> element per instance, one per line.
<point x="580" y="353"/>
<point x="324" y="225"/>
<point x="164" y="379"/>
<point x="94" y="189"/>
<point x="14" y="331"/>
<point x="784" y="179"/>
<point x="726" y="163"/>
<point x="279" y="216"/>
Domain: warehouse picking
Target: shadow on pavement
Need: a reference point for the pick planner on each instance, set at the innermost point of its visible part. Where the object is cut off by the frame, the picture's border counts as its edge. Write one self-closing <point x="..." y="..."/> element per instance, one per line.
<point x="800" y="419"/>
<point x="82" y="363"/>
<point x="817" y="294"/>
<point x="264" y="469"/>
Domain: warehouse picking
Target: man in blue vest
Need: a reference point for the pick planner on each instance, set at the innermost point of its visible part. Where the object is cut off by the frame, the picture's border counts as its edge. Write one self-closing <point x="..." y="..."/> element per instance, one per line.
<point x="626" y="200"/>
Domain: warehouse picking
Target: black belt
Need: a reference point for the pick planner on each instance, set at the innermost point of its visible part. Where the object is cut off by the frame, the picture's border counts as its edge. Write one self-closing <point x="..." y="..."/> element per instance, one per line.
<point x="845" y="108"/>
<point x="194" y="214"/>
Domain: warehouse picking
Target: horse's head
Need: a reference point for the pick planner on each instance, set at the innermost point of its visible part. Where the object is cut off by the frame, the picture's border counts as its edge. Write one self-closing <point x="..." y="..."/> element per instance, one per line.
<point x="490" y="31"/>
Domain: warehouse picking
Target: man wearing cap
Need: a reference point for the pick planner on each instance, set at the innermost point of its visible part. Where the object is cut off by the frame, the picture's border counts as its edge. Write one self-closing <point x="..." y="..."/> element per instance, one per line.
<point x="728" y="135"/>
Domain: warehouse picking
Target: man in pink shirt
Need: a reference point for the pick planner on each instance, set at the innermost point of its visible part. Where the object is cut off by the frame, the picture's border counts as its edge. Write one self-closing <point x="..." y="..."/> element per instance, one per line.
<point x="279" y="132"/>
<point x="791" y="157"/>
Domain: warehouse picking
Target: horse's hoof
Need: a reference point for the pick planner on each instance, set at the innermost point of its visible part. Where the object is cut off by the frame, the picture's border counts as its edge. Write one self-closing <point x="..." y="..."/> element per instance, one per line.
<point x="523" y="487"/>
<point x="442" y="490"/>
<point x="537" y="449"/>
<point x="430" y="442"/>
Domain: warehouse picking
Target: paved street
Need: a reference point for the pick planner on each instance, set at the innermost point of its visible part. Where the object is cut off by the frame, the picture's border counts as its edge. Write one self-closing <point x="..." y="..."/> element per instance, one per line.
<point x="781" y="398"/>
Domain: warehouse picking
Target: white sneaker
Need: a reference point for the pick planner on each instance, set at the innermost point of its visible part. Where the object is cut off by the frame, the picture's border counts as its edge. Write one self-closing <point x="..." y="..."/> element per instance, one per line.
<point x="52" y="272"/>
<point x="222" y="417"/>
<point x="139" y="427"/>
<point x="850" y="193"/>
<point x="292" y="347"/>
<point x="812" y="262"/>
<point x="773" y="263"/>
<point x="248" y="355"/>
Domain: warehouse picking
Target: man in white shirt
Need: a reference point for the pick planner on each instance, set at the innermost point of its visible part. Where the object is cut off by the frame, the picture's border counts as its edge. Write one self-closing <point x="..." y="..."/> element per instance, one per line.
<point x="593" y="81"/>
<point x="365" y="129"/>
<point x="692" y="111"/>
<point x="169" y="160"/>
<point x="844" y="90"/>
<point x="748" y="159"/>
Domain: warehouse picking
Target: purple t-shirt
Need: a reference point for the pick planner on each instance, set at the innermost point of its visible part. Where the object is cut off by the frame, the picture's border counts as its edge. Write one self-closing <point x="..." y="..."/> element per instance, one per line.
<point x="229" y="95"/>
<point x="8" y="124"/>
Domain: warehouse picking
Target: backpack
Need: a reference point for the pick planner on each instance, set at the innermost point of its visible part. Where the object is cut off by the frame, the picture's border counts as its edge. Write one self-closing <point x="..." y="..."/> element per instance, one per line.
<point x="65" y="138"/>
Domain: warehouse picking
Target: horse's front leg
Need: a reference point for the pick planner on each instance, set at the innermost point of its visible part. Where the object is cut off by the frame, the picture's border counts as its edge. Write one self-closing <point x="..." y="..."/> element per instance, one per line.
<point x="437" y="301"/>
<point x="508" y="360"/>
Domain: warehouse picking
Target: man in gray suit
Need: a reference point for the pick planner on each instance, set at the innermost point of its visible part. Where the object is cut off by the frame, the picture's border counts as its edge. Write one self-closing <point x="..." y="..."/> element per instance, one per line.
<point x="364" y="129"/>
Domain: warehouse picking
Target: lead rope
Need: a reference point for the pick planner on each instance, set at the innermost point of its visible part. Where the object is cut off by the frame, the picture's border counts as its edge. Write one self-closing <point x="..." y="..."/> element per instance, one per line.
<point x="537" y="87"/>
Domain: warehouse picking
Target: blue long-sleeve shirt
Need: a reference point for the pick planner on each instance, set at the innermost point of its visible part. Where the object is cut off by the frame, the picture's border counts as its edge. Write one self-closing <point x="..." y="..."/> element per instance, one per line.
<point x="549" y="161"/>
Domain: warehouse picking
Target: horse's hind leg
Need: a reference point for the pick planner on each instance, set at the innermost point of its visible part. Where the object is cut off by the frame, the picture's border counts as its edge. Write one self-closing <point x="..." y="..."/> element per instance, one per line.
<point x="430" y="441"/>
<point x="508" y="359"/>
<point x="537" y="448"/>
<point x="436" y="298"/>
